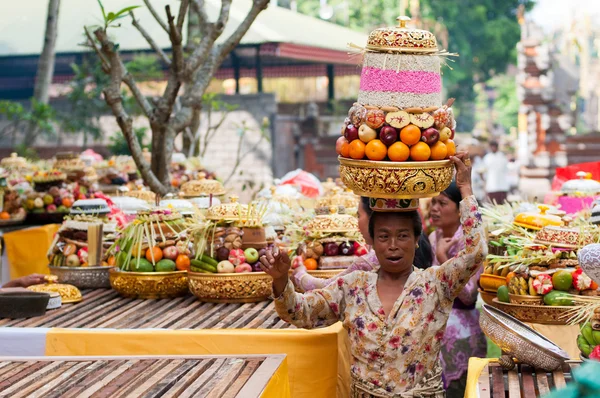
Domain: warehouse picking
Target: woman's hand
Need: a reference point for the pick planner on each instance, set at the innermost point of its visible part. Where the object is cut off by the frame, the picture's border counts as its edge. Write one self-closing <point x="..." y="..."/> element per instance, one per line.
<point x="442" y="248"/>
<point x="462" y="163"/>
<point x="26" y="281"/>
<point x="277" y="264"/>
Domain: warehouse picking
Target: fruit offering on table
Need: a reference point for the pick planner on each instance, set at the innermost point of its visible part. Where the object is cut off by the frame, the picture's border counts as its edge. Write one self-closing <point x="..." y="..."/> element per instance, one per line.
<point x="70" y="245"/>
<point x="391" y="134"/>
<point x="156" y="241"/>
<point x="330" y="240"/>
<point x="56" y="199"/>
<point x="43" y="180"/>
<point x="588" y="340"/>
<point x="11" y="205"/>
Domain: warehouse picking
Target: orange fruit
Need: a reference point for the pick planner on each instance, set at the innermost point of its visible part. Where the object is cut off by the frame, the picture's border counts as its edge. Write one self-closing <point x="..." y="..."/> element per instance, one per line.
<point x="154" y="254"/>
<point x="410" y="135"/>
<point x="451" y="148"/>
<point x="345" y="149"/>
<point x="356" y="149"/>
<point x="439" y="151"/>
<point x="182" y="262"/>
<point x="4" y="216"/>
<point x="67" y="202"/>
<point x="420" y="151"/>
<point x="310" y="264"/>
<point x="509" y="276"/>
<point x="112" y="261"/>
<point x="376" y="150"/>
<point x="398" y="152"/>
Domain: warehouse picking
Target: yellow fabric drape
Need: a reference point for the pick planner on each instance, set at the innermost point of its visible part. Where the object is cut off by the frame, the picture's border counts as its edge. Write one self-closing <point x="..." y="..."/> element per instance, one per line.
<point x="476" y="366"/>
<point x="26" y="250"/>
<point x="279" y="385"/>
<point x="316" y="359"/>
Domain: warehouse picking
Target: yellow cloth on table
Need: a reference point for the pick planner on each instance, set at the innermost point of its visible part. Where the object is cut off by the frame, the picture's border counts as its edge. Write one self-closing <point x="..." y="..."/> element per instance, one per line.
<point x="27" y="250"/>
<point x="317" y="360"/>
<point x="476" y="366"/>
<point x="279" y="385"/>
<point x="564" y="336"/>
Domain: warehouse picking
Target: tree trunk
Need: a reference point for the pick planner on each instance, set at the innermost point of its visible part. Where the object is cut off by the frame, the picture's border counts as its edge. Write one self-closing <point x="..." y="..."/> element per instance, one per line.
<point x="161" y="156"/>
<point x="45" y="69"/>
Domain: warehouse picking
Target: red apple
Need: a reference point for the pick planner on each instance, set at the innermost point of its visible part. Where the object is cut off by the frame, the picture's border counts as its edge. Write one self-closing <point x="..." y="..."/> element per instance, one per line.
<point x="346" y="249"/>
<point x="351" y="133"/>
<point x="339" y="143"/>
<point x="331" y="249"/>
<point x="359" y="250"/>
<point x="170" y="252"/>
<point x="244" y="267"/>
<point x="452" y="135"/>
<point x="237" y="257"/>
<point x="388" y="135"/>
<point x="430" y="136"/>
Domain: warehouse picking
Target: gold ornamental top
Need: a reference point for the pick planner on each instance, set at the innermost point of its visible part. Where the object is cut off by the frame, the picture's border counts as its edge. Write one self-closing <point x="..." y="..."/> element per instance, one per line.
<point x="68" y="293"/>
<point x="14" y="161"/>
<point x="402" y="39"/>
<point x="339" y="198"/>
<point x="232" y="211"/>
<point x="334" y="222"/>
<point x="201" y="187"/>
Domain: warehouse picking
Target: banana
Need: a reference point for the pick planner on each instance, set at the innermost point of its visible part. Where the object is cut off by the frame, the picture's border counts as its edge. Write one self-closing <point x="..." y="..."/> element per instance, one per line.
<point x="497" y="270"/>
<point x="209" y="260"/>
<point x="505" y="271"/>
<point x="532" y="291"/>
<point x="583" y="346"/>
<point x="586" y="332"/>
<point x="200" y="265"/>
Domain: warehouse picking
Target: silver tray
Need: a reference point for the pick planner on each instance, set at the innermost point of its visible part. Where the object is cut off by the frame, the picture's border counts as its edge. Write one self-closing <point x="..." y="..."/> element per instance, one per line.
<point x="83" y="277"/>
<point x="520" y="341"/>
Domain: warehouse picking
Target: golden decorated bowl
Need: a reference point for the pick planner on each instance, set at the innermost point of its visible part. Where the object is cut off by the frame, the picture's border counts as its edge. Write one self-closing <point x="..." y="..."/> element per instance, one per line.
<point x="487" y="297"/>
<point x="248" y="287"/>
<point x="525" y="300"/>
<point x="491" y="283"/>
<point x="68" y="293"/>
<point x="325" y="273"/>
<point x="544" y="314"/>
<point x="149" y="285"/>
<point x="83" y="277"/>
<point x="396" y="180"/>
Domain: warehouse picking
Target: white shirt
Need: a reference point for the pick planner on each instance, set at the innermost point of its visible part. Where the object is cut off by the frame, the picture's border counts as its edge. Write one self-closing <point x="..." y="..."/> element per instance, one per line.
<point x="496" y="172"/>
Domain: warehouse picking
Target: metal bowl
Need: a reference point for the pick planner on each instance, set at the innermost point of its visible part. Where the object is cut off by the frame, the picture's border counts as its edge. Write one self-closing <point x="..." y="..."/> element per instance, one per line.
<point x="250" y="287"/>
<point x="520" y="341"/>
<point x="149" y="285"/>
<point x="396" y="180"/>
<point x="83" y="277"/>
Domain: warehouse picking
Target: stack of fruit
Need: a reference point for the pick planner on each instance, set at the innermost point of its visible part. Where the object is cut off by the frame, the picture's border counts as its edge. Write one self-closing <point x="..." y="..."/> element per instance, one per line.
<point x="56" y="199"/>
<point x="589" y="339"/>
<point x="230" y="261"/>
<point x="154" y="242"/>
<point x="70" y="246"/>
<point x="396" y="135"/>
<point x="331" y="240"/>
<point x="11" y="205"/>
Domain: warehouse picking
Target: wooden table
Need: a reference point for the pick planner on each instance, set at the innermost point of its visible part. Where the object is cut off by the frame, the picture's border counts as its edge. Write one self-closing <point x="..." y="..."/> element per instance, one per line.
<point x="160" y="376"/>
<point x="104" y="308"/>
<point x="521" y="382"/>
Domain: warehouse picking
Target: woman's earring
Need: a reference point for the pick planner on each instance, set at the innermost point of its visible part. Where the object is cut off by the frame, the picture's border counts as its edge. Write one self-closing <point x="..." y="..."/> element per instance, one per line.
<point x="417" y="246"/>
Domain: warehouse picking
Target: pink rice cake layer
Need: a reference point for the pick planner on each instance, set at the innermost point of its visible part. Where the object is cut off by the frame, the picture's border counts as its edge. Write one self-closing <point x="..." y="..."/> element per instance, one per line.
<point x="401" y="80"/>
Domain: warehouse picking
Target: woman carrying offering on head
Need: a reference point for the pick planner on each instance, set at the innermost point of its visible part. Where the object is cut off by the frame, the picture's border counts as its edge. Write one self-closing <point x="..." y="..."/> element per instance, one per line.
<point x="395" y="317"/>
<point x="463" y="337"/>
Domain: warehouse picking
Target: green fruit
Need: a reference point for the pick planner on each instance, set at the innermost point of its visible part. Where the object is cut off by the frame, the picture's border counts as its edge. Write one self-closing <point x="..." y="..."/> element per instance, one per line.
<point x="209" y="260"/>
<point x="557" y="298"/>
<point x="122" y="259"/>
<point x="583" y="346"/>
<point x="596" y="335"/>
<point x="503" y="294"/>
<point x="48" y="199"/>
<point x="165" y="265"/>
<point x="141" y="265"/>
<point x="562" y="280"/>
<point x="586" y="332"/>
<point x="62" y="209"/>
<point x="200" y="265"/>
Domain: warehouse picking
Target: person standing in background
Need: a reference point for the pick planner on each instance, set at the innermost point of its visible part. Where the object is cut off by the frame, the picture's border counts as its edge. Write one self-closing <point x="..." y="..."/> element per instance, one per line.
<point x="477" y="178"/>
<point x="495" y="166"/>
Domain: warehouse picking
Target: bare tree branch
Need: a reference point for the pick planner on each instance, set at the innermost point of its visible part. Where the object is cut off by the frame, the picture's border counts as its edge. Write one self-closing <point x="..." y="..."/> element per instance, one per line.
<point x="156" y="16"/>
<point x="198" y="6"/>
<point x="103" y="60"/>
<point x="113" y="98"/>
<point x="150" y="40"/>
<point x="183" y="9"/>
<point x="140" y="98"/>
<point x="176" y="40"/>
<point x="208" y="39"/>
<point x="234" y="39"/>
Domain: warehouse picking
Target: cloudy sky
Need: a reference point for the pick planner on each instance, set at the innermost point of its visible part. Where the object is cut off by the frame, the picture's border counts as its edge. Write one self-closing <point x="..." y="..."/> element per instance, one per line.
<point x="552" y="14"/>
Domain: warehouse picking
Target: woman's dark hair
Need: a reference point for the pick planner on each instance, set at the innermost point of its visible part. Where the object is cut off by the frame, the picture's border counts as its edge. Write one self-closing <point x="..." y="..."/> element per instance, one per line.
<point x="453" y="193"/>
<point x="423" y="254"/>
<point x="408" y="215"/>
<point x="366" y="205"/>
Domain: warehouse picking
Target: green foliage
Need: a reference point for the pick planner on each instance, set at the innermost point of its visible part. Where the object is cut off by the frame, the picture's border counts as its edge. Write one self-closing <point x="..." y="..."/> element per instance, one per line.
<point x="39" y="118"/>
<point x="118" y="144"/>
<point x="110" y="17"/>
<point x="145" y="67"/>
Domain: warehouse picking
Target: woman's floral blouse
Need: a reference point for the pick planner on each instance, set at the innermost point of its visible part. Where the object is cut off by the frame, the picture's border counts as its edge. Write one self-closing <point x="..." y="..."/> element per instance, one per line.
<point x="392" y="352"/>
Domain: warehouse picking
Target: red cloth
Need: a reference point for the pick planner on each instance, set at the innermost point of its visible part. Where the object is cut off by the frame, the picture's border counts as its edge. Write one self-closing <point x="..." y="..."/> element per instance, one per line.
<point x="564" y="174"/>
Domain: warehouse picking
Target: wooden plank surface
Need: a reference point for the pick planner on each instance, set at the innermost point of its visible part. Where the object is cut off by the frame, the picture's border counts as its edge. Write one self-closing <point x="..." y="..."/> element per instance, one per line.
<point x="542" y="382"/>
<point x="151" y="377"/>
<point x="104" y="308"/>
<point x="484" y="383"/>
<point x="527" y="381"/>
<point x="514" y="386"/>
<point x="497" y="381"/>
